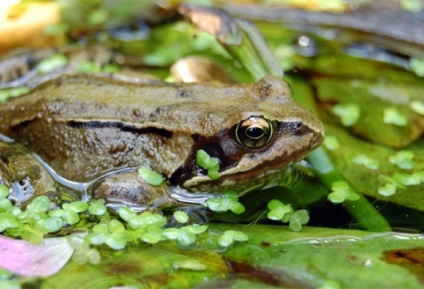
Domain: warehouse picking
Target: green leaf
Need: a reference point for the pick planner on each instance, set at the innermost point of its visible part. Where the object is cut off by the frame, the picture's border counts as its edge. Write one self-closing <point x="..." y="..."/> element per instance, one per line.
<point x="51" y="63"/>
<point x="181" y="217"/>
<point x="393" y="116"/>
<point x="151" y="177"/>
<point x="349" y="113"/>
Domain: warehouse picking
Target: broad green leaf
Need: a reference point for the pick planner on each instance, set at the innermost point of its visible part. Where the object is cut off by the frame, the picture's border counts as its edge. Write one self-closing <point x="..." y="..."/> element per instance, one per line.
<point x="312" y="258"/>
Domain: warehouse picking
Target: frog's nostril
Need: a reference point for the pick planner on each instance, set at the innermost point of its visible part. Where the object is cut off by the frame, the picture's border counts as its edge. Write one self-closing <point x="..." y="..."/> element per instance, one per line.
<point x="297" y="127"/>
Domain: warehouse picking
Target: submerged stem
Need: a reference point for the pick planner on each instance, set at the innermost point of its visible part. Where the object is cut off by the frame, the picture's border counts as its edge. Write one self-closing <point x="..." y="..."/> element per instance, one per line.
<point x="362" y="210"/>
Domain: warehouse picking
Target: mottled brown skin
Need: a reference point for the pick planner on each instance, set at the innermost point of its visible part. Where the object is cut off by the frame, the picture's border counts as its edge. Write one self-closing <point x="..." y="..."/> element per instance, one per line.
<point x="85" y="126"/>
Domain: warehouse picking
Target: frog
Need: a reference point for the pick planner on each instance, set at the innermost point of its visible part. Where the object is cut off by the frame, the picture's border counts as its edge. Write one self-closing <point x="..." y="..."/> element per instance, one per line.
<point x="92" y="132"/>
<point x="87" y="126"/>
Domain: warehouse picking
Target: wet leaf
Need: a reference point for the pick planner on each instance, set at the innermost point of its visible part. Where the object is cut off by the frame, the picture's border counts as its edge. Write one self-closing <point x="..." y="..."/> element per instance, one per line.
<point x="381" y="122"/>
<point x="273" y="256"/>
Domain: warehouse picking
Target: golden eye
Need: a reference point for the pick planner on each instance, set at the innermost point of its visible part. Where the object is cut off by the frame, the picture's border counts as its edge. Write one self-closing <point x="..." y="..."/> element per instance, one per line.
<point x="254" y="132"/>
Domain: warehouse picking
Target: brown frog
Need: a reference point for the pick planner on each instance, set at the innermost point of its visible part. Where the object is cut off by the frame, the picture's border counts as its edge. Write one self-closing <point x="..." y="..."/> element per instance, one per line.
<point x="87" y="126"/>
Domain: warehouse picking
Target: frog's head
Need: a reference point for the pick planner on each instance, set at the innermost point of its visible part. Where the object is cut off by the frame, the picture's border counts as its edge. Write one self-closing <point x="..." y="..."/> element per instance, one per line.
<point x="265" y="134"/>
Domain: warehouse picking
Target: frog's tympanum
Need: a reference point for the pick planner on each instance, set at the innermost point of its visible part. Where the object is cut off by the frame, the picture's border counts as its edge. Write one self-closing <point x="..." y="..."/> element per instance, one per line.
<point x="85" y="127"/>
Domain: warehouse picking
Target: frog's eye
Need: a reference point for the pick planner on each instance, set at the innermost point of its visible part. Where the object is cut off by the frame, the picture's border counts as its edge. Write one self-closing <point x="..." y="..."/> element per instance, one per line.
<point x="254" y="132"/>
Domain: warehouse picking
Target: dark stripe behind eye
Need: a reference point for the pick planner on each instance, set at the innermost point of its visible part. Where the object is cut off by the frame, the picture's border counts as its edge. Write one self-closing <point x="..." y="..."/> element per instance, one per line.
<point x="95" y="124"/>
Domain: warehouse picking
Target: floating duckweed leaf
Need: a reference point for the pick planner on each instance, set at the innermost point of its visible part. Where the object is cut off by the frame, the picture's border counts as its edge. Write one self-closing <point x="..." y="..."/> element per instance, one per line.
<point x="51" y="63"/>
<point x="228" y="200"/>
<point x="13" y="92"/>
<point x="116" y="226"/>
<point x="50" y="225"/>
<point x="336" y="197"/>
<point x="93" y="256"/>
<point x="4" y="191"/>
<point x="341" y="191"/>
<point x="237" y="235"/>
<point x="7" y="221"/>
<point x="387" y="190"/>
<point x="297" y="219"/>
<point x="5" y="204"/>
<point x="151" y="177"/>
<point x="403" y="159"/>
<point x="417" y="106"/>
<point x="115" y="241"/>
<point x="186" y="238"/>
<point x="110" y="68"/>
<point x="349" y="113"/>
<point x="181" y="217"/>
<point x="230" y="236"/>
<point x="126" y="213"/>
<point x="153" y="236"/>
<point x="274" y="204"/>
<point x="208" y="163"/>
<point x="195" y="229"/>
<point x="77" y="206"/>
<point x="278" y="213"/>
<point x="76" y="242"/>
<point x="88" y="66"/>
<point x="407" y="179"/>
<point x="97" y="207"/>
<point x="417" y="65"/>
<point x="171" y="233"/>
<point x="366" y="161"/>
<point x="237" y="208"/>
<point x="39" y="204"/>
<point x="393" y="116"/>
<point x="331" y="143"/>
<point x="190" y="264"/>
<point x="70" y="217"/>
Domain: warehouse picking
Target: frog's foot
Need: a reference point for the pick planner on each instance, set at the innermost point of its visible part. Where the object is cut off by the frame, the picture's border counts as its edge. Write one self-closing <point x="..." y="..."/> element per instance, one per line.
<point x="26" y="177"/>
<point x="126" y="188"/>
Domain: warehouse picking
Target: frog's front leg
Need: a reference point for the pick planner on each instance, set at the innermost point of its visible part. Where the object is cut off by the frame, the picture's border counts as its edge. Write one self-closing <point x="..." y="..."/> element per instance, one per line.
<point x="26" y="177"/>
<point x="129" y="189"/>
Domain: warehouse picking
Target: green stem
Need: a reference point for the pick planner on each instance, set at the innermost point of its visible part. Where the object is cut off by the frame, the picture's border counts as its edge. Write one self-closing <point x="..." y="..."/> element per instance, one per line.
<point x="263" y="52"/>
<point x="362" y="210"/>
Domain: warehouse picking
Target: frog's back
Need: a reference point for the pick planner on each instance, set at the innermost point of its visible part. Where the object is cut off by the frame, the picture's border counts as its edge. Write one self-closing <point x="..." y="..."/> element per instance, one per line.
<point x="84" y="126"/>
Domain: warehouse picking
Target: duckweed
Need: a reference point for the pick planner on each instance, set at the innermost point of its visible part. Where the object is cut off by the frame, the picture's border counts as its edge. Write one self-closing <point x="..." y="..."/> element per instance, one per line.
<point x="366" y="161"/>
<point x="349" y="113"/>
<point x="278" y="211"/>
<point x="393" y="116"/>
<point x="208" y="163"/>
<point x="13" y="92"/>
<point x="417" y="106"/>
<point x="51" y="63"/>
<point x="331" y="143"/>
<point x="227" y="201"/>
<point x="151" y="177"/>
<point x="403" y="159"/>
<point x="181" y="217"/>
<point x="417" y="65"/>
<point x="387" y="190"/>
<point x="340" y="192"/>
<point x="229" y="236"/>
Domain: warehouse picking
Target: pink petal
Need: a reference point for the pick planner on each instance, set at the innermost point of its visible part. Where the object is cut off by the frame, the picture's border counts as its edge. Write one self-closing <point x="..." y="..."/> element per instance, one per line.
<point x="34" y="260"/>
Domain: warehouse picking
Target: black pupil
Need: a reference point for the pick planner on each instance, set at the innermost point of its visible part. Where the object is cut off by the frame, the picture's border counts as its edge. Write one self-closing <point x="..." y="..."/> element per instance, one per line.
<point x="254" y="132"/>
